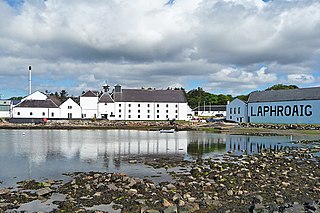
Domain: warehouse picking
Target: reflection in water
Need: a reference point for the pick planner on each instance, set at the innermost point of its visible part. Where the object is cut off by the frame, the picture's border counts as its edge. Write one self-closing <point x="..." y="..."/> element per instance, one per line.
<point x="49" y="153"/>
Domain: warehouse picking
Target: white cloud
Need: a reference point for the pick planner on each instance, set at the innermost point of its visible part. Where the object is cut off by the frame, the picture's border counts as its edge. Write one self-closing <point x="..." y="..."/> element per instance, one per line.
<point x="301" y="78"/>
<point x="147" y="43"/>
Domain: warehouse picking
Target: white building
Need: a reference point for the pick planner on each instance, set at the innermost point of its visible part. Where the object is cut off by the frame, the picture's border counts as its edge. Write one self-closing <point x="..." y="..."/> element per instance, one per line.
<point x="89" y="104"/>
<point x="237" y="111"/>
<point x="210" y="111"/>
<point x="70" y="109"/>
<point x="5" y="108"/>
<point x="149" y="104"/>
<point x="295" y="106"/>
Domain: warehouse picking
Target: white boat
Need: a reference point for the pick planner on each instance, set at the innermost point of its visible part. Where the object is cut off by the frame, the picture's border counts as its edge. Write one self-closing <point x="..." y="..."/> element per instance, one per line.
<point x="167" y="130"/>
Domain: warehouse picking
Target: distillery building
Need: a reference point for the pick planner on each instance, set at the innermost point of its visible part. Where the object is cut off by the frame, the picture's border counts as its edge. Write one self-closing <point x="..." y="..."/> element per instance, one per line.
<point x="294" y="106"/>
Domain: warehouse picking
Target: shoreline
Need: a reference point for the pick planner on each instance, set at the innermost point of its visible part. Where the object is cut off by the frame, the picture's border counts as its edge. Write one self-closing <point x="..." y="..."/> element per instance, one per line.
<point x="283" y="181"/>
<point x="218" y="127"/>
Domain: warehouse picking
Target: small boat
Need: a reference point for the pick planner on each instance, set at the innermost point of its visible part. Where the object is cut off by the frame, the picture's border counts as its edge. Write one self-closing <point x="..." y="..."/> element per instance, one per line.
<point x="167" y="130"/>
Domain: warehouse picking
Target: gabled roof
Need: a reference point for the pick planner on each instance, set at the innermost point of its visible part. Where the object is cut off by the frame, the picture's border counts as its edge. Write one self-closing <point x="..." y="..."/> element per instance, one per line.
<point x="106" y="98"/>
<point x="144" y="95"/>
<point x="312" y="93"/>
<point x="90" y="94"/>
<point x="38" y="104"/>
<point x="210" y="108"/>
<point x="55" y="100"/>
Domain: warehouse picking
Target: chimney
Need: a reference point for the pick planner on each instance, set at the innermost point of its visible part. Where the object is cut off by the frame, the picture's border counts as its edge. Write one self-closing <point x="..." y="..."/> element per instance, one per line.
<point x="30" y="80"/>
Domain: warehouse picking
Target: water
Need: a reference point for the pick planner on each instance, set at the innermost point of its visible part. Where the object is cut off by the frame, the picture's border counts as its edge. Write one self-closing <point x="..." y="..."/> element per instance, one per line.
<point x="47" y="154"/>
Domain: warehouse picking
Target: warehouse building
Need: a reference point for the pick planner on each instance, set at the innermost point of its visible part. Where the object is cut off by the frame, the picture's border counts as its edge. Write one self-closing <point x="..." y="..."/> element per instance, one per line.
<point x="295" y="106"/>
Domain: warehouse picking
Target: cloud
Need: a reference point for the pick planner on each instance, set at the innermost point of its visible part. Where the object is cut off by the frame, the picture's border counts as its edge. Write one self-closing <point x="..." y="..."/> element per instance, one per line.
<point x="301" y="78"/>
<point x="148" y="43"/>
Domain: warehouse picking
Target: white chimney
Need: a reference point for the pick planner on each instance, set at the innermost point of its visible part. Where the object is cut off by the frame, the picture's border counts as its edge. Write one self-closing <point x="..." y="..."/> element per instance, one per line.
<point x="29" y="80"/>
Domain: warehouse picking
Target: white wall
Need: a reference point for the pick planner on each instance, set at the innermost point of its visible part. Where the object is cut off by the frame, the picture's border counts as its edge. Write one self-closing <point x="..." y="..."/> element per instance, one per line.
<point x="89" y="106"/>
<point x="106" y="108"/>
<point x="27" y="112"/>
<point x="150" y="111"/>
<point x="211" y="113"/>
<point x="237" y="111"/>
<point x="69" y="106"/>
<point x="287" y="112"/>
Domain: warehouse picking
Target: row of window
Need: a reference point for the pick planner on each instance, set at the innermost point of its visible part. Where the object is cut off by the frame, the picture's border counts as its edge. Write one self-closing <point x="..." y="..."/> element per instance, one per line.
<point x="148" y="116"/>
<point x="148" y="111"/>
<point x="43" y="113"/>
<point x="234" y="110"/>
<point x="148" y="105"/>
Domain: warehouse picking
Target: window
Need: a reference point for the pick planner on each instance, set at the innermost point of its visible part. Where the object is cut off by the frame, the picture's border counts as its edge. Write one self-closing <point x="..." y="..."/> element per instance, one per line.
<point x="176" y="116"/>
<point x="167" y="116"/>
<point x="119" y="116"/>
<point x="157" y="116"/>
<point x="176" y="105"/>
<point x="129" y="110"/>
<point x="31" y="113"/>
<point x="138" y="116"/>
<point x="138" y="110"/>
<point x="52" y="114"/>
<point x="18" y="113"/>
<point x="238" y="110"/>
<point x="119" y="110"/>
<point x="43" y="113"/>
<point x="148" y="116"/>
<point x="167" y="105"/>
<point x="157" y="111"/>
<point x="148" y="105"/>
<point x="129" y="116"/>
<point x="230" y="117"/>
<point x="69" y="115"/>
<point x="119" y="105"/>
<point x="129" y="105"/>
<point x="84" y="115"/>
<point x="69" y="107"/>
<point x="234" y="111"/>
<point x="105" y="104"/>
<point x="167" y="111"/>
<point x="148" y="110"/>
<point x="230" y="110"/>
<point x="138" y="105"/>
<point x="176" y="111"/>
<point x="157" y="105"/>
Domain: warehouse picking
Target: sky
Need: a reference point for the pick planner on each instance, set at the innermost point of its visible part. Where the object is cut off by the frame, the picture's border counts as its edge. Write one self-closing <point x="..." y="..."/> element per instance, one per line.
<point x="224" y="46"/>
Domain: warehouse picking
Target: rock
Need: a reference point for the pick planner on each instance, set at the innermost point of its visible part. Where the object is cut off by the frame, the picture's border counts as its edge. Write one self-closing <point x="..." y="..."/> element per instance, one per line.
<point x="43" y="191"/>
<point x="230" y="192"/>
<point x="171" y="209"/>
<point x="170" y="186"/>
<point x="181" y="203"/>
<point x="97" y="194"/>
<point x="191" y="199"/>
<point x="176" y="197"/>
<point x="3" y="205"/>
<point x="279" y="200"/>
<point x="141" y="201"/>
<point x="132" y="192"/>
<point x="4" y="191"/>
<point x="257" y="199"/>
<point x="285" y="184"/>
<point x="112" y="187"/>
<point x="166" y="203"/>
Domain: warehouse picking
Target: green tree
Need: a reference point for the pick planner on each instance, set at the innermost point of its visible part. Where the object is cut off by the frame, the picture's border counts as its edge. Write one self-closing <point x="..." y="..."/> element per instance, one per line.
<point x="282" y="86"/>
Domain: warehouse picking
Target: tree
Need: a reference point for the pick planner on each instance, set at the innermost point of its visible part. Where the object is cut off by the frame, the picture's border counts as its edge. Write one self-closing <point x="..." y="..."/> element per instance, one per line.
<point x="282" y="86"/>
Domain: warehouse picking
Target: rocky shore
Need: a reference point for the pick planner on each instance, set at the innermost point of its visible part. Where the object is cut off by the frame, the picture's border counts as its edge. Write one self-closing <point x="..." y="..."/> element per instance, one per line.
<point x="286" y="181"/>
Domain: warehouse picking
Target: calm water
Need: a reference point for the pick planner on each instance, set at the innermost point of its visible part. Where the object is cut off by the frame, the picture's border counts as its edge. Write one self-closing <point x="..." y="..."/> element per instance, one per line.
<point x="47" y="154"/>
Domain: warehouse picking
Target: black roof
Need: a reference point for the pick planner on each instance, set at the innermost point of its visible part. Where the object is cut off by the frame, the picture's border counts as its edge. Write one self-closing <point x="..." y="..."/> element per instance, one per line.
<point x="210" y="108"/>
<point x="38" y="104"/>
<point x="312" y="93"/>
<point x="90" y="94"/>
<point x="150" y="95"/>
<point x="105" y="98"/>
